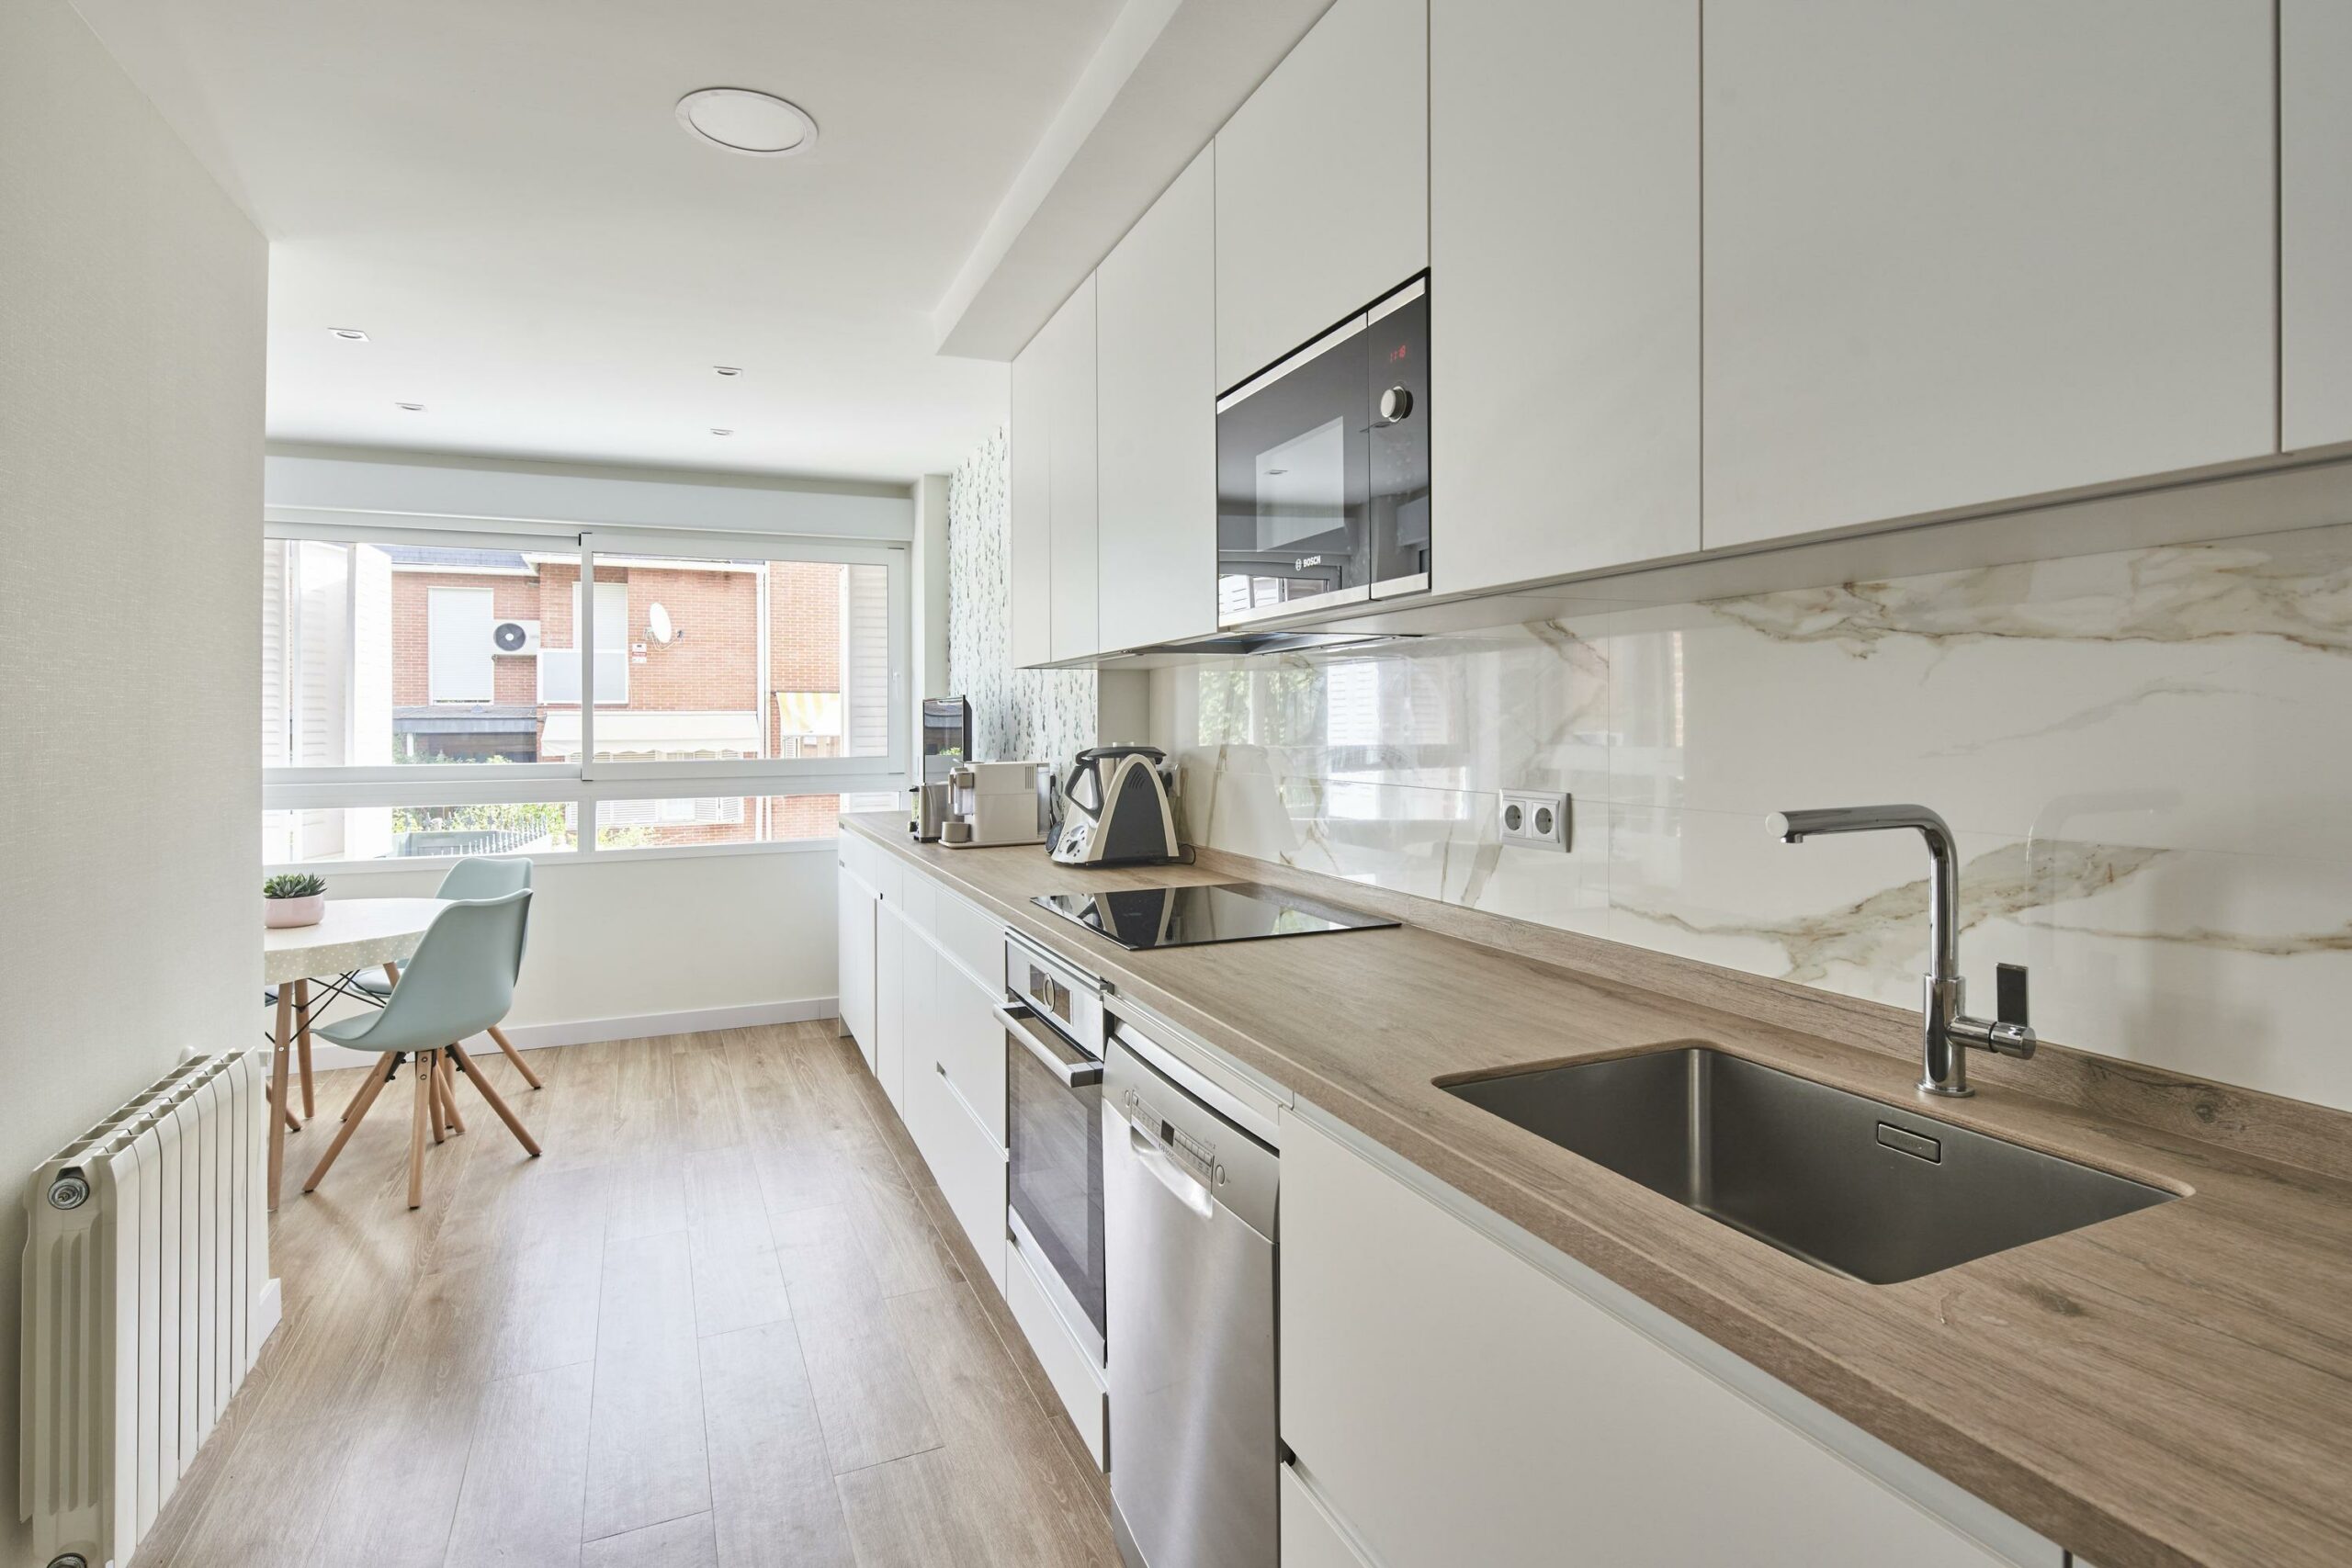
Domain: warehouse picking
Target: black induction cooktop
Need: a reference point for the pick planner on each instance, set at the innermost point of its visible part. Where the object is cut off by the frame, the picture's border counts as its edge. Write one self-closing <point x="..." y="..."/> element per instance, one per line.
<point x="1143" y="917"/>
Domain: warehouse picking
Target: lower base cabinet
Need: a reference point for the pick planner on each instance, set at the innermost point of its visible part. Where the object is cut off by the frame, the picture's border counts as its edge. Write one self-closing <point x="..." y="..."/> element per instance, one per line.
<point x="1453" y="1403"/>
<point x="1077" y="1381"/>
<point x="965" y="1160"/>
<point x="1311" y="1538"/>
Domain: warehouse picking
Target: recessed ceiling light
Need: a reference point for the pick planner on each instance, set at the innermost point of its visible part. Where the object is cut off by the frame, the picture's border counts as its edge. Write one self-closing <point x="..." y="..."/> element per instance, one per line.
<point x="742" y="120"/>
<point x="348" y="335"/>
<point x="715" y="430"/>
<point x="729" y="369"/>
<point x="411" y="408"/>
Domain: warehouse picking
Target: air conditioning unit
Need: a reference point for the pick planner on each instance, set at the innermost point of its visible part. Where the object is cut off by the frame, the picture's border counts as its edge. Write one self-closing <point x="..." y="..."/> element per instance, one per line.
<point x="514" y="636"/>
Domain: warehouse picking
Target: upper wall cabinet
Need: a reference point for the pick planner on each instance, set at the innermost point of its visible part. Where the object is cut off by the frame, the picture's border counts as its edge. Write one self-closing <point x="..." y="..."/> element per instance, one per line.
<point x="1564" y="315"/>
<point x="1070" y="435"/>
<point x="2315" y="221"/>
<point x="1959" y="251"/>
<point x="1053" y="586"/>
<point x="1030" y="566"/>
<point x="1322" y="183"/>
<point x="1155" y="318"/>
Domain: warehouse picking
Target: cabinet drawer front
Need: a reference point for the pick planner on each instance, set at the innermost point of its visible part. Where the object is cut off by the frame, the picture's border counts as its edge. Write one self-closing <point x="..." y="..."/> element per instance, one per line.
<point x="1456" y="1404"/>
<point x="1310" y="1537"/>
<point x="972" y="939"/>
<point x="967" y="1041"/>
<point x="968" y="1164"/>
<point x="919" y="902"/>
<point x="1077" y="1381"/>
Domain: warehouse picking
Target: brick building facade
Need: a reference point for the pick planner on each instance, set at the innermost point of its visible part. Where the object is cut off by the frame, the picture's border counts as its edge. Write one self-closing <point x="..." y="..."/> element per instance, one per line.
<point x="702" y="694"/>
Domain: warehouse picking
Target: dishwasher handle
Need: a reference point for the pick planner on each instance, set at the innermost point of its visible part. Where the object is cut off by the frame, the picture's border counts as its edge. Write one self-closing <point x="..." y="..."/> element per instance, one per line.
<point x="1021" y="1025"/>
<point x="1182" y="1184"/>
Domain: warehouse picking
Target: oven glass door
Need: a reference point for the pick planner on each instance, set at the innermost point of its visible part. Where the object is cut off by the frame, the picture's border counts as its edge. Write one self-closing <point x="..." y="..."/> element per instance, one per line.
<point x="1054" y="1129"/>
<point x="1293" y="477"/>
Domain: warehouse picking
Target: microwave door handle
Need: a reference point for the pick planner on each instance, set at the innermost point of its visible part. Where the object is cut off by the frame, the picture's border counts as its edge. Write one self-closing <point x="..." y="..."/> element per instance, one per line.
<point x="1074" y="1075"/>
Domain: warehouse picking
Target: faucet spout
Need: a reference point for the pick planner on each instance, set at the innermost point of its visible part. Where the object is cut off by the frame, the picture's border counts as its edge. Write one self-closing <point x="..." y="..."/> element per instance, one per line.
<point x="1946" y="1027"/>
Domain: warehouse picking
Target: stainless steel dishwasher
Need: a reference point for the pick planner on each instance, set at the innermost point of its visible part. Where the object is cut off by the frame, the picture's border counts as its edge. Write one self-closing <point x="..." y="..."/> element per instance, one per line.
<point x="1189" y="1222"/>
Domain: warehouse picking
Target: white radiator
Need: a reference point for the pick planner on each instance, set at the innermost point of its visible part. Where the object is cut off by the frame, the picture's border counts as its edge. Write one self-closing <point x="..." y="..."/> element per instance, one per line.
<point x="146" y="1297"/>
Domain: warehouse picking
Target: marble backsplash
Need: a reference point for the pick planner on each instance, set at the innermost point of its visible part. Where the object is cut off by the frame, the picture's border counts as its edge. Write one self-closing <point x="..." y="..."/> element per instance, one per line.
<point x="2144" y="756"/>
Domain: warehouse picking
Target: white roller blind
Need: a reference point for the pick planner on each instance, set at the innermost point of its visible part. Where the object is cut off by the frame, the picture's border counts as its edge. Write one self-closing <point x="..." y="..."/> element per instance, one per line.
<point x="456" y="646"/>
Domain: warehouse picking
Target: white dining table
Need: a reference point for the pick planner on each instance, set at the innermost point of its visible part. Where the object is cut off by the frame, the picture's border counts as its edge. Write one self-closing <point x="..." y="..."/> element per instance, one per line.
<point x="354" y="935"/>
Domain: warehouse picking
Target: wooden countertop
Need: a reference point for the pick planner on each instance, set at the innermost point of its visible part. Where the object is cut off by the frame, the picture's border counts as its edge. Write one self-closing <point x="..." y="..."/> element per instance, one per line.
<point x="2171" y="1387"/>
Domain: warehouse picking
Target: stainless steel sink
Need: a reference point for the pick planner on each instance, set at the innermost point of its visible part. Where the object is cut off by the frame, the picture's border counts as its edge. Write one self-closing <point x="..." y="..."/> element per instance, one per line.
<point x="1849" y="1184"/>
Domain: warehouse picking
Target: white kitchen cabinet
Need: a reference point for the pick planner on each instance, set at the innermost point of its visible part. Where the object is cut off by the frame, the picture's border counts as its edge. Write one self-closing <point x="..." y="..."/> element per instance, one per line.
<point x="2315" y="223"/>
<point x="1959" y="251"/>
<point x="1322" y="183"/>
<point x="1030" y="481"/>
<point x="854" y="944"/>
<point x="1564" y="307"/>
<point x="963" y="1159"/>
<point x="1070" y="435"/>
<point x="1155" y="313"/>
<point x="966" y="1040"/>
<point x="1453" y="1403"/>
<point x="898" y="953"/>
<point x="1076" y="1382"/>
<point x="1311" y="1538"/>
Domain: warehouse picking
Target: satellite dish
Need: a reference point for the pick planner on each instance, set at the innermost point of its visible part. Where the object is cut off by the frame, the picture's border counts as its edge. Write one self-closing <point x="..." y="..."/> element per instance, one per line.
<point x="658" y="622"/>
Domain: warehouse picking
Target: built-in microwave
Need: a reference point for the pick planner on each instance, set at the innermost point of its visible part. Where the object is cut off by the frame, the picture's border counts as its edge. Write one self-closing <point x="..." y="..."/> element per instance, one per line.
<point x="1323" y="470"/>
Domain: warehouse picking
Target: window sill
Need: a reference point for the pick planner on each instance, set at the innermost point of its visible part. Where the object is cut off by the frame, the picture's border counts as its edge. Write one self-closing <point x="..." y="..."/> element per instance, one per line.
<point x="332" y="868"/>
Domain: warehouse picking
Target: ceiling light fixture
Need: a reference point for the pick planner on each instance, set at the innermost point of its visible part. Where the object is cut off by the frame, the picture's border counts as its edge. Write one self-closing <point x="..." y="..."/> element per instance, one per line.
<point x="729" y="369"/>
<point x="348" y="335"/>
<point x="410" y="408"/>
<point x="759" y="125"/>
<point x="715" y="430"/>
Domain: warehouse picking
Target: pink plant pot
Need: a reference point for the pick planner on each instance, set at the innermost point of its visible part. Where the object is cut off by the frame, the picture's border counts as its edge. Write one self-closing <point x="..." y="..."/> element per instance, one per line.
<point x="280" y="912"/>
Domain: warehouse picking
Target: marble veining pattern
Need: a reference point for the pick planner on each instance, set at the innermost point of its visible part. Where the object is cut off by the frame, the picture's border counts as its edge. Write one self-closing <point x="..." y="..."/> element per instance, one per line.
<point x="1040" y="715"/>
<point x="2142" y="755"/>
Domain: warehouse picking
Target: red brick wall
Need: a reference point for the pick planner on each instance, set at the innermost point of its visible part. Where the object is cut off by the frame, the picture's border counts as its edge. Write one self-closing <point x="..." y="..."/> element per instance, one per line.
<point x="512" y="598"/>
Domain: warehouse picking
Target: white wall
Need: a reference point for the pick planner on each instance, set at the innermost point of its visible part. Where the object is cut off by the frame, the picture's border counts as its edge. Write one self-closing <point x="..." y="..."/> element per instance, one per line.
<point x="622" y="945"/>
<point x="132" y="299"/>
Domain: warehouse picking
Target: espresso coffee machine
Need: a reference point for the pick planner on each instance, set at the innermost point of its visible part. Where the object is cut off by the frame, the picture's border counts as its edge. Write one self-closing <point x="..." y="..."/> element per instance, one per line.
<point x="996" y="802"/>
<point x="946" y="741"/>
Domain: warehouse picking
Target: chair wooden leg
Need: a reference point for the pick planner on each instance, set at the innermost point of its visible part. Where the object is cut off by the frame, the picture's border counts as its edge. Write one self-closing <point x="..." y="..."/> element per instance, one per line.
<point x="498" y="1036"/>
<point x="302" y="1043"/>
<point x="482" y="1085"/>
<point x="369" y="1087"/>
<point x="435" y="1119"/>
<point x="280" y="1113"/>
<point x="449" y="1096"/>
<point x="363" y="1092"/>
<point x="423" y="1065"/>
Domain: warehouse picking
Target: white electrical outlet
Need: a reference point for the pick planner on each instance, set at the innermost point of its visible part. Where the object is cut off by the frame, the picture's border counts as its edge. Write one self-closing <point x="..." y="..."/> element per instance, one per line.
<point x="1536" y="820"/>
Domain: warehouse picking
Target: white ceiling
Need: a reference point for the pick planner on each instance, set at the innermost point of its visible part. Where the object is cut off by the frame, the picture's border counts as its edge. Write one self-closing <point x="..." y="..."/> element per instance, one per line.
<point x="498" y="193"/>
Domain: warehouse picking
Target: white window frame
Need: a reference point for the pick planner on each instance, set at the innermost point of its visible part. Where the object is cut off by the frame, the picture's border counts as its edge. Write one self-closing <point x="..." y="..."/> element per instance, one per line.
<point x="587" y="780"/>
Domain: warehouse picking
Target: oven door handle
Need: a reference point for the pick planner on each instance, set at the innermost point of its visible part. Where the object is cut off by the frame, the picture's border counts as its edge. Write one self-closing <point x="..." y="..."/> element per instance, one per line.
<point x="1084" y="1072"/>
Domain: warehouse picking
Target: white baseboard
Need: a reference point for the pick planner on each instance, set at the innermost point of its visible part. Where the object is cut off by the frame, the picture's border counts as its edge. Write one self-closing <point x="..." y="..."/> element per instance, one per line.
<point x="587" y="1030"/>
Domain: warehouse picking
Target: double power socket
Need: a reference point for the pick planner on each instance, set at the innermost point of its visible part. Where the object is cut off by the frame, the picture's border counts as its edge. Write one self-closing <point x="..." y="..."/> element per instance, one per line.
<point x="1535" y="820"/>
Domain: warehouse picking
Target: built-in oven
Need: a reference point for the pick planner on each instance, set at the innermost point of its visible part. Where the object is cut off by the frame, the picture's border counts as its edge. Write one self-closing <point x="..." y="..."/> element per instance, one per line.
<point x="1323" y="470"/>
<point x="1052" y="1074"/>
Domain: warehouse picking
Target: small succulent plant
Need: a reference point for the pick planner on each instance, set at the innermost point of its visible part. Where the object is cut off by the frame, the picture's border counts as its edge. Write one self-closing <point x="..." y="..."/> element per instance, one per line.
<point x="293" y="885"/>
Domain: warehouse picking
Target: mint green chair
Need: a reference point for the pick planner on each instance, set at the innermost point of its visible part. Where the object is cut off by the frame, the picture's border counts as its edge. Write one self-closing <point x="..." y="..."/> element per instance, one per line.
<point x="476" y="877"/>
<point x="460" y="982"/>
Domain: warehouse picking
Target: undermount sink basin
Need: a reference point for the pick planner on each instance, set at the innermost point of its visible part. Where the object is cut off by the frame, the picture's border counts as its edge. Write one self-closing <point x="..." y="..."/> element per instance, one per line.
<point x="1846" y="1183"/>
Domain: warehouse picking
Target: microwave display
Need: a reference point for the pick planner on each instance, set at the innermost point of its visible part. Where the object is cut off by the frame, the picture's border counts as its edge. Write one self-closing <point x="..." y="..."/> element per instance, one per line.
<point x="1323" y="470"/>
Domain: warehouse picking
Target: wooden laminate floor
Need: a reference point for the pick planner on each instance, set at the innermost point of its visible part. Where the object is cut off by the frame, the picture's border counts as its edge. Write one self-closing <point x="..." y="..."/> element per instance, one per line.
<point x="726" y="1320"/>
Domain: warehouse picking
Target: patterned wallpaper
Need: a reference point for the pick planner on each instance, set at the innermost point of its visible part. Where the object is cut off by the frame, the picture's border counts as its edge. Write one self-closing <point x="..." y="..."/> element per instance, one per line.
<point x="1017" y="714"/>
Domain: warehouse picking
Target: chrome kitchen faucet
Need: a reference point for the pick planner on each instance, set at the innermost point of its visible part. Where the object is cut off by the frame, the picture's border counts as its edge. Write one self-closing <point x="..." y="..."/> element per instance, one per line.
<point x="1946" y="1028"/>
